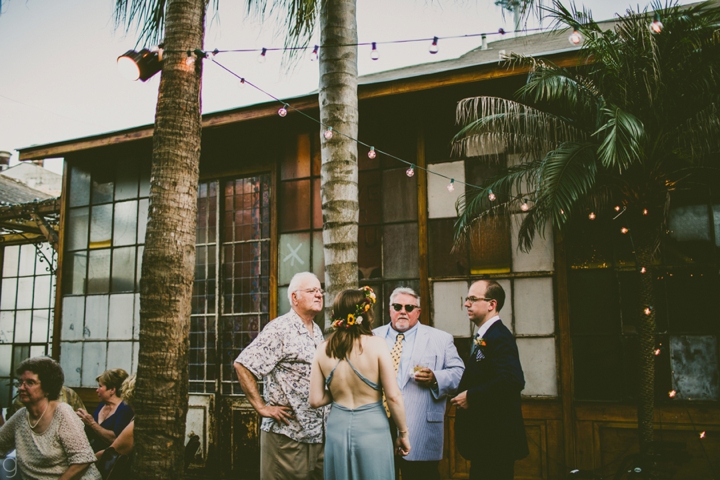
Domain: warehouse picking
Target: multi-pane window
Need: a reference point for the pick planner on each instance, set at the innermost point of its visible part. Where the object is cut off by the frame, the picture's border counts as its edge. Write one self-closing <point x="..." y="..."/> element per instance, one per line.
<point x="104" y="236"/>
<point x="605" y="307"/>
<point x="233" y="245"/>
<point x="26" y="309"/>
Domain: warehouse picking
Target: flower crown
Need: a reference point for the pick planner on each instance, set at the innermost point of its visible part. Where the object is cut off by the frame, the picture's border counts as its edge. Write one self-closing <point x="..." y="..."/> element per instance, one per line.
<point x="356" y="318"/>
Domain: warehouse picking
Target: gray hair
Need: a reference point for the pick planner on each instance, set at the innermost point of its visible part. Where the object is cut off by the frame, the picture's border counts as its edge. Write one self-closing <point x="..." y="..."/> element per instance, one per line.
<point x="297" y="280"/>
<point x="406" y="291"/>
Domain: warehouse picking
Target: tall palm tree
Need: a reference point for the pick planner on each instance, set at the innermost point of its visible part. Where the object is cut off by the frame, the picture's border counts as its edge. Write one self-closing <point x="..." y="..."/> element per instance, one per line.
<point x="634" y="122"/>
<point x="169" y="257"/>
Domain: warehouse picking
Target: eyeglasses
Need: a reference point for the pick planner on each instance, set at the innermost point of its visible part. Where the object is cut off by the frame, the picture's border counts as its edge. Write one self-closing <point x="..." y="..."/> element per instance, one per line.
<point x="27" y="383"/>
<point x="313" y="291"/>
<point x="477" y="299"/>
<point x="408" y="308"/>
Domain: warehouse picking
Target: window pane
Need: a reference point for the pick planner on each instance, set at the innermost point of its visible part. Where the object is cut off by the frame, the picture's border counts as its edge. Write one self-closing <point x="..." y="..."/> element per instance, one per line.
<point x="369" y="252"/>
<point x="317" y="204"/>
<point x="594" y="302"/>
<point x="443" y="262"/>
<point x="126" y="179"/>
<point x="7" y="328"/>
<point x="125" y="223"/>
<point x="28" y="255"/>
<point x="598" y="364"/>
<point x="296" y="163"/>
<point x="370" y="195"/>
<point x="145" y="179"/>
<point x="79" y="186"/>
<point x="22" y="326"/>
<point x="441" y="202"/>
<point x="9" y="291"/>
<point x="694" y="362"/>
<point x="42" y="296"/>
<point x="294" y="255"/>
<point x="399" y="196"/>
<point x="688" y="241"/>
<point x="40" y="325"/>
<point x="400" y="251"/>
<point x="318" y="256"/>
<point x="697" y="290"/>
<point x="123" y="269"/>
<point x="537" y="356"/>
<point x="10" y="261"/>
<point x="139" y="268"/>
<point x="101" y="226"/>
<point x="76" y="233"/>
<point x="102" y="185"/>
<point x="489" y="243"/>
<point x="99" y="271"/>
<point x="294" y="207"/>
<point x="142" y="220"/>
<point x="25" y="292"/>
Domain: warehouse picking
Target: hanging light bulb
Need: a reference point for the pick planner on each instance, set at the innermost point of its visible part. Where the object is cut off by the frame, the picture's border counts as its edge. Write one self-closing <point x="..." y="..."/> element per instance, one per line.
<point x="242" y="82"/>
<point x="647" y="311"/>
<point x="491" y="196"/>
<point x="672" y="393"/>
<point x="501" y="31"/>
<point x="575" y="38"/>
<point x="656" y="26"/>
<point x="451" y="185"/>
<point x="190" y="60"/>
<point x="374" y="53"/>
<point x="645" y="211"/>
<point x="624" y="230"/>
<point x="434" y="46"/>
<point x="372" y="153"/>
<point x="617" y="208"/>
<point x="314" y="54"/>
<point x="262" y="57"/>
<point x="702" y="434"/>
<point x="643" y="270"/>
<point x="525" y="207"/>
<point x="592" y="216"/>
<point x="657" y="352"/>
<point x="328" y="134"/>
<point x="282" y="111"/>
<point x="410" y="171"/>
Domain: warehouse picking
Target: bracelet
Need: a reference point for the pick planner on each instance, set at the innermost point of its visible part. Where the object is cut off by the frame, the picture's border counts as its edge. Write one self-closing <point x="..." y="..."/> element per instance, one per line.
<point x="402" y="431"/>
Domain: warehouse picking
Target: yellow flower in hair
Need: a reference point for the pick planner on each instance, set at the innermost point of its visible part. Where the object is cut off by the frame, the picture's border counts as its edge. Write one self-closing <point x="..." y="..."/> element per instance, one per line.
<point x="367" y="307"/>
<point x="351" y="319"/>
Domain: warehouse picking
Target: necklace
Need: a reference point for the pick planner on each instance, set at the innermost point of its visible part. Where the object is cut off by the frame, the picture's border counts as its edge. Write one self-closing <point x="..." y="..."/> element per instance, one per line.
<point x="38" y="420"/>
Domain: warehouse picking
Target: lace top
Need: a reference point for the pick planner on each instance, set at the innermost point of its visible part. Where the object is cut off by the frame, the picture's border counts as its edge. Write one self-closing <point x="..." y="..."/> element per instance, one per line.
<point x="47" y="455"/>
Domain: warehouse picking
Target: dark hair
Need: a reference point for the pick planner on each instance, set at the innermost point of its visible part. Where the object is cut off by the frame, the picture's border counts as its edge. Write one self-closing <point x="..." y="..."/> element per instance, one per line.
<point x="495" y="291"/>
<point x="113" y="379"/>
<point x="341" y="342"/>
<point x="49" y="372"/>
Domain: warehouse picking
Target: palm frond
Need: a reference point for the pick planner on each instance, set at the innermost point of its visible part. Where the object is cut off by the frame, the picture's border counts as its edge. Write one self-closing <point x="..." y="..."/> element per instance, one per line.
<point x="622" y="134"/>
<point x="147" y="16"/>
<point x="297" y="17"/>
<point x="699" y="136"/>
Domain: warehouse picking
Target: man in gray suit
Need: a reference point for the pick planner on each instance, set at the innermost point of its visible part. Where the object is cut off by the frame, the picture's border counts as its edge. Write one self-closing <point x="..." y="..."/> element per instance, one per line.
<point x="428" y="370"/>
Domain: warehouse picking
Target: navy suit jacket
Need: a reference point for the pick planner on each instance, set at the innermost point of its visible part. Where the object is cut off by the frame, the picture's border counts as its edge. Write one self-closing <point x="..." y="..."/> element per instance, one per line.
<point x="492" y="427"/>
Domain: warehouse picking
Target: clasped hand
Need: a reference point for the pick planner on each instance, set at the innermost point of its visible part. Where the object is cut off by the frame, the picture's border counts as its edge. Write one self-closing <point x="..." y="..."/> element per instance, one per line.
<point x="278" y="413"/>
<point x="425" y="377"/>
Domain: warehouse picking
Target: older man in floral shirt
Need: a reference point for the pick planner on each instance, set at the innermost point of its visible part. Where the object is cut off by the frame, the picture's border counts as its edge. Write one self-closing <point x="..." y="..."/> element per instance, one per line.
<point x="291" y="436"/>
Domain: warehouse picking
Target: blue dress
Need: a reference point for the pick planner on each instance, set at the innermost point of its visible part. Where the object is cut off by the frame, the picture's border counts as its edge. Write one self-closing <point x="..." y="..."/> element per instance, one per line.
<point x="358" y="445"/>
<point x="115" y="422"/>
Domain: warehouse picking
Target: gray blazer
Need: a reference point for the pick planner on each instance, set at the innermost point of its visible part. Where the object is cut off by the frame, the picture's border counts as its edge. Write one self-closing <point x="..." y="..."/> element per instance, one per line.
<point x="425" y="409"/>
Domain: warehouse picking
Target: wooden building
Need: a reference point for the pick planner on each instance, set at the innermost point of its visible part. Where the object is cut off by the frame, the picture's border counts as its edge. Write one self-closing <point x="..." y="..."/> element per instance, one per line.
<point x="259" y="221"/>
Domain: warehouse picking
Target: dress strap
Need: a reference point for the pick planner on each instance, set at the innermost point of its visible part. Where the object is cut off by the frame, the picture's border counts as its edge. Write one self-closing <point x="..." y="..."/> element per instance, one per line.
<point x="370" y="384"/>
<point x="330" y="376"/>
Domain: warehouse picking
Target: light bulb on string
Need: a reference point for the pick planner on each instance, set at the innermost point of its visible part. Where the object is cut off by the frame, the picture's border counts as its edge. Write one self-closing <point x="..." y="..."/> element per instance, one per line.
<point x="624" y="230"/>
<point x="657" y="352"/>
<point x="328" y="134"/>
<point x="374" y="53"/>
<point x="491" y="196"/>
<point x="575" y="37"/>
<point x="242" y="82"/>
<point x="592" y="216"/>
<point x="501" y="31"/>
<point x="647" y="311"/>
<point x="451" y="185"/>
<point x="702" y="434"/>
<point x="525" y="207"/>
<point x="434" y="46"/>
<point x="372" y="153"/>
<point x="672" y="393"/>
<point x="410" y="171"/>
<point x="617" y="208"/>
<point x="263" y="55"/>
<point x="190" y="60"/>
<point x="282" y="111"/>
<point x="314" y="54"/>
<point x="656" y="26"/>
<point x="645" y="211"/>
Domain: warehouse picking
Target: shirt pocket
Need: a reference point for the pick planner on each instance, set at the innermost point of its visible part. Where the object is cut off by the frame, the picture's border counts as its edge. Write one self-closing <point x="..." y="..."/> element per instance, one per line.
<point x="436" y="415"/>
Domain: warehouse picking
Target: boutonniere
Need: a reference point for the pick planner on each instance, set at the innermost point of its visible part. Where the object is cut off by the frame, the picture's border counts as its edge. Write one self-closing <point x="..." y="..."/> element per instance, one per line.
<point x="480" y="343"/>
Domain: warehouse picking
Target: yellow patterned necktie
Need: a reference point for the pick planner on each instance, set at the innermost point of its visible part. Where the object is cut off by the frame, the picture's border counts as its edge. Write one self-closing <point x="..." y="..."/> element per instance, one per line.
<point x="395" y="353"/>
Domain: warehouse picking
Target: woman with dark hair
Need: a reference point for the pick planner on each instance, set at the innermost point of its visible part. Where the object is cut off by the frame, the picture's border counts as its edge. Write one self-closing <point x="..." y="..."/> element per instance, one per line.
<point x="112" y="415"/>
<point x="47" y="435"/>
<point x="352" y="369"/>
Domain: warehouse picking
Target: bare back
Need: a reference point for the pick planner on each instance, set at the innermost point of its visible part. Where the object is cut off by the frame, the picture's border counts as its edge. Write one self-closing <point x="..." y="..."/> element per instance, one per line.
<point x="346" y="387"/>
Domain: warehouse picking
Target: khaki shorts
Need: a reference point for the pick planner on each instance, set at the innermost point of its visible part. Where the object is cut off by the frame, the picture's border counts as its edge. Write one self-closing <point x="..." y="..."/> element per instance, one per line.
<point x="282" y="458"/>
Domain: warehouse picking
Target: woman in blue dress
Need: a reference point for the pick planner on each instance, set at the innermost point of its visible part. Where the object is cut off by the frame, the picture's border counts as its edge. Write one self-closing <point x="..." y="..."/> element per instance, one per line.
<point x="352" y="369"/>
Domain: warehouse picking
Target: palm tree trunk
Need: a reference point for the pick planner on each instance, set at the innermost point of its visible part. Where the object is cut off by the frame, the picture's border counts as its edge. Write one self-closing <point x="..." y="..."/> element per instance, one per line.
<point x="169" y="256"/>
<point x="339" y="109"/>
<point x="646" y="357"/>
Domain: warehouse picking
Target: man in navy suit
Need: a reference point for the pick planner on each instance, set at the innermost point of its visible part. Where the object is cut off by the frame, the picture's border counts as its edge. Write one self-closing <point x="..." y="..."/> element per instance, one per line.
<point x="429" y="369"/>
<point x="489" y="428"/>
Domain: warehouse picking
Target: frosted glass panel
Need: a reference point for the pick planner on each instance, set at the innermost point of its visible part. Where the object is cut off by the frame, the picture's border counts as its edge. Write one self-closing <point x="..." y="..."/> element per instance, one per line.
<point x="79" y="187"/>
<point x="122" y="309"/>
<point x="40" y="325"/>
<point x="5" y="360"/>
<point x="27" y="260"/>
<point x="441" y="203"/>
<point x="94" y="360"/>
<point x="506" y="314"/>
<point x="449" y="313"/>
<point x="96" y="317"/>
<point x="693" y="359"/>
<point x="534" y="306"/>
<point x="123" y="270"/>
<point x="136" y="317"/>
<point x="399" y="196"/>
<point x="126" y="179"/>
<point x="7" y="327"/>
<point x="101" y="226"/>
<point x="22" y="326"/>
<point x="400" y="251"/>
<point x="119" y="355"/>
<point x="136" y="351"/>
<point x="70" y="361"/>
<point x="25" y="292"/>
<point x="125" y="223"/>
<point x="76" y="233"/>
<point x="540" y="258"/>
<point x="294" y="253"/>
<point x="74" y="270"/>
<point x="689" y="223"/>
<point x="99" y="271"/>
<point x="42" y="296"/>
<point x="10" y="261"/>
<point x="283" y="301"/>
<point x="142" y="220"/>
<point x="537" y="357"/>
<point x="318" y="260"/>
<point x="73" y="314"/>
<point x="9" y="291"/>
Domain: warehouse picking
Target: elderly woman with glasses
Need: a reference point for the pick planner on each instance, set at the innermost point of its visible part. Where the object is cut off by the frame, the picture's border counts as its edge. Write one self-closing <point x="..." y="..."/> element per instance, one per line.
<point x="47" y="435"/>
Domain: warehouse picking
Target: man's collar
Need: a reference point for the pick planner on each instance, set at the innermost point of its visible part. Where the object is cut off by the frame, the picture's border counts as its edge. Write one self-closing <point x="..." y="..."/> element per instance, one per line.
<point x="409" y="331"/>
<point x="486" y="326"/>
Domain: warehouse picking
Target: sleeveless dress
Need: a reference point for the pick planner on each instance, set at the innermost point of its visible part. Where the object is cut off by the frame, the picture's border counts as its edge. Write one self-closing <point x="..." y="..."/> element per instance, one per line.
<point x="358" y="444"/>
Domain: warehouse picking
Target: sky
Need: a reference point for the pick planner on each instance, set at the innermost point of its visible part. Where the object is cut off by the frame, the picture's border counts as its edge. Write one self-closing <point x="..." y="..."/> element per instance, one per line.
<point x="59" y="79"/>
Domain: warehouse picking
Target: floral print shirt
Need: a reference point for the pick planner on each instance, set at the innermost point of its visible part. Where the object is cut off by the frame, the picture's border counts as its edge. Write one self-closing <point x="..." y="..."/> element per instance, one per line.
<point x="283" y="353"/>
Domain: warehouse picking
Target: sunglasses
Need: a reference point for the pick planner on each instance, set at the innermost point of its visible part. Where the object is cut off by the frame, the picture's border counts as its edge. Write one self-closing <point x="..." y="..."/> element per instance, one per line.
<point x="408" y="308"/>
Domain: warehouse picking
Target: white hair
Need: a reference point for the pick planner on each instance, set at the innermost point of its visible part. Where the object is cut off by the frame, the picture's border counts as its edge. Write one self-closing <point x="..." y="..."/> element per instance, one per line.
<point x="297" y="280"/>
<point x="404" y="291"/>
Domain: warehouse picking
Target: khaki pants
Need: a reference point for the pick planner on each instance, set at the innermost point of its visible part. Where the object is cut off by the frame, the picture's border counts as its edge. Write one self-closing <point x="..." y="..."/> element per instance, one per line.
<point x="282" y="458"/>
